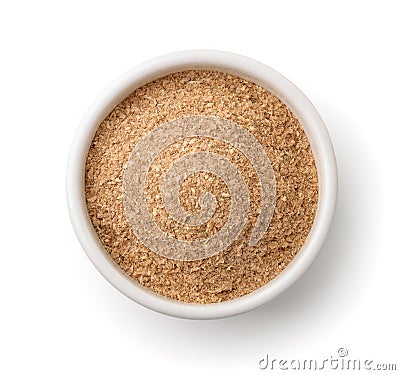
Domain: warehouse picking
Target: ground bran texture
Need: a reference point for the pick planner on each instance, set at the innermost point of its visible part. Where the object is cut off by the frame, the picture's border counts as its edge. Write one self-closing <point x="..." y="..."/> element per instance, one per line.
<point x="240" y="269"/>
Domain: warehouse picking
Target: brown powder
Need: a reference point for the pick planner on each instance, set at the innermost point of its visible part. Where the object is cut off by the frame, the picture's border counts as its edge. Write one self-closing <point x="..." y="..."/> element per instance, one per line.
<point x="240" y="268"/>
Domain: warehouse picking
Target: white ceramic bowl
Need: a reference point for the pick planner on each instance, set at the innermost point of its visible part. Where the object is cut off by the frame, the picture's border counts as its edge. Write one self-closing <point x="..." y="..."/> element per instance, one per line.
<point x="245" y="68"/>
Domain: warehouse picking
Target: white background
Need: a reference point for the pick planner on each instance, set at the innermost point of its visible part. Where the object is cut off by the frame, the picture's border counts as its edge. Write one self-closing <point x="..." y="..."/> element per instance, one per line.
<point x="59" y="316"/>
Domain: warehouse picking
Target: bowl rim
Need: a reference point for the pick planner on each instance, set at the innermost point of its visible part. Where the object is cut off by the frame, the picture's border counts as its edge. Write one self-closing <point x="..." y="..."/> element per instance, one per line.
<point x="244" y="67"/>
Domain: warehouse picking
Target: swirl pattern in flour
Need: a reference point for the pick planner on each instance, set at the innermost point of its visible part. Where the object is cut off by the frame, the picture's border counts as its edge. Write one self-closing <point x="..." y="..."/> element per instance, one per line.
<point x="152" y="144"/>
